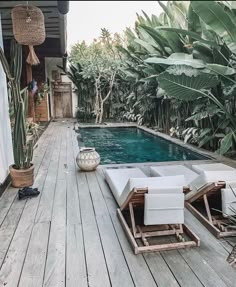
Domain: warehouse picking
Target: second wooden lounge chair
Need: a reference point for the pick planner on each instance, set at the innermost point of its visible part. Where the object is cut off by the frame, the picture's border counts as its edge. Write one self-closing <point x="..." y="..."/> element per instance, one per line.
<point x="211" y="187"/>
<point x="206" y="189"/>
<point x="151" y="209"/>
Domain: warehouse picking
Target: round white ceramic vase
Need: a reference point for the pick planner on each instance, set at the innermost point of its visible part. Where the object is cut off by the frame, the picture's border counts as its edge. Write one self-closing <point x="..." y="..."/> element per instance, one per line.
<point x="87" y="159"/>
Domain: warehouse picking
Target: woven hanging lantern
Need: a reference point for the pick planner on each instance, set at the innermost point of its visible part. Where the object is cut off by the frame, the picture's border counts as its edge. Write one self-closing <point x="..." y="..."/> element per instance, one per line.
<point x="28" y="29"/>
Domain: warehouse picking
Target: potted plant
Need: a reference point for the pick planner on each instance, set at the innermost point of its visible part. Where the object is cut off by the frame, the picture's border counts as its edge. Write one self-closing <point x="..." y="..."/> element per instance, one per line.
<point x="22" y="171"/>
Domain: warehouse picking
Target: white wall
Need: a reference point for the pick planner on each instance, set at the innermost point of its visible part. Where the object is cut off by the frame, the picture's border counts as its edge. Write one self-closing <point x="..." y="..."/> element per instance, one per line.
<point x="6" y="153"/>
<point x="50" y="65"/>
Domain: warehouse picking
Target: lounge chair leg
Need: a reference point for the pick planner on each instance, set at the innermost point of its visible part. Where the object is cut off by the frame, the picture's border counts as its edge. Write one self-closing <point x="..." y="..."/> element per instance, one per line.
<point x="144" y="239"/>
<point x="131" y="210"/>
<point x="207" y="208"/>
<point x="178" y="233"/>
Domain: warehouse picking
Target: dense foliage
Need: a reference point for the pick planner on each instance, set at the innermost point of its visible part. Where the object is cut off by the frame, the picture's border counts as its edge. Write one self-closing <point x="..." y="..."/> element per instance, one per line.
<point x="174" y="72"/>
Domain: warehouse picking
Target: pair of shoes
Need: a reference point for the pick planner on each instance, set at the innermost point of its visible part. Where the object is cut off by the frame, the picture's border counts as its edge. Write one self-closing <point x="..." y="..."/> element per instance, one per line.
<point x="27" y="192"/>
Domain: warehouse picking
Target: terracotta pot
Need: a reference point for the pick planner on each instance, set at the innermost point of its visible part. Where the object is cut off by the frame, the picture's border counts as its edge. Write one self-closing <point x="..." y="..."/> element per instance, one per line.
<point x="87" y="159"/>
<point x="22" y="177"/>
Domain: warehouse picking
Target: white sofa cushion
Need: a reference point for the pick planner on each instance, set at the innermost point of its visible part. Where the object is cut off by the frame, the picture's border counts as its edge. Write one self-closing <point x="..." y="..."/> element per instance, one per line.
<point x="168" y="170"/>
<point x="211" y="167"/>
<point x="228" y="201"/>
<point x="163" y="209"/>
<point x="118" y="178"/>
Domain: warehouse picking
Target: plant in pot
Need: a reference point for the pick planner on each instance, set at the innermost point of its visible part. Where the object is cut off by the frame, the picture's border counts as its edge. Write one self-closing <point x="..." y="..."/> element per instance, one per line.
<point x="22" y="171"/>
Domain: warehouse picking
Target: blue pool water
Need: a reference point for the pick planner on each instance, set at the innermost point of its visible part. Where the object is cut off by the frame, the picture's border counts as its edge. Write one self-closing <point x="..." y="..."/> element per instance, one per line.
<point x="132" y="145"/>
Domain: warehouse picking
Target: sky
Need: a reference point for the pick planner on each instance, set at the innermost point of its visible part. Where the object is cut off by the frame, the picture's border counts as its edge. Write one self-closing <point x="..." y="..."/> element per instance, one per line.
<point x="86" y="18"/>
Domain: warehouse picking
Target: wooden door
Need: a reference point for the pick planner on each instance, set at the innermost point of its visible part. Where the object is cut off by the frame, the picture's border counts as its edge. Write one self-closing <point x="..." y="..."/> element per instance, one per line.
<point x="63" y="100"/>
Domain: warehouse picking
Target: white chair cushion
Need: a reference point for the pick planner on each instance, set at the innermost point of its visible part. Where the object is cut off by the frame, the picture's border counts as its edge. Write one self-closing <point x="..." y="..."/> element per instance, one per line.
<point x="228" y="201"/>
<point x="211" y="167"/>
<point x="177" y="189"/>
<point x="168" y="170"/>
<point x="210" y="177"/>
<point x="150" y="183"/>
<point x="118" y="178"/>
<point x="163" y="209"/>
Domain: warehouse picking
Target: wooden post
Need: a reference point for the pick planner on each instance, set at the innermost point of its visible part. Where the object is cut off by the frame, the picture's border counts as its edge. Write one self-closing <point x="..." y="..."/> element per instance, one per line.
<point x="29" y="77"/>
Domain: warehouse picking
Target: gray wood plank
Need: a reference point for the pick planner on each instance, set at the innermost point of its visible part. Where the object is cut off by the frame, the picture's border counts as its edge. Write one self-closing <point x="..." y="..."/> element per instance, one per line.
<point x="55" y="264"/>
<point x="33" y="269"/>
<point x="9" y="226"/>
<point x="138" y="268"/>
<point x="117" y="266"/>
<point x="44" y="212"/>
<point x="227" y="246"/>
<point x="70" y="149"/>
<point x="73" y="205"/>
<point x="62" y="168"/>
<point x="201" y="268"/>
<point x="11" y="269"/>
<point x="12" y="227"/>
<point x="76" y="271"/>
<point x="160" y="270"/>
<point x="212" y="251"/>
<point x="42" y="147"/>
<point x="6" y="201"/>
<point x="180" y="269"/>
<point x="96" y="264"/>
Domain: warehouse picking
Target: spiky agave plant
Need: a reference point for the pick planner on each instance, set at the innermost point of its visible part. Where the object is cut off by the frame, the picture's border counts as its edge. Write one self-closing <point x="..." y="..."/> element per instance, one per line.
<point x="22" y="143"/>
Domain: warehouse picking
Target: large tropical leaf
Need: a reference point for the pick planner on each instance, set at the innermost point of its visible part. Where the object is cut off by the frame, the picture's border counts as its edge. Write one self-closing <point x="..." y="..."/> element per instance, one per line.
<point x="149" y="48"/>
<point x="213" y="14"/>
<point x="202" y="51"/>
<point x="157" y="37"/>
<point x="191" y="34"/>
<point x="186" y="83"/>
<point x="226" y="143"/>
<point x="178" y="59"/>
<point x="221" y="70"/>
<point x="194" y="24"/>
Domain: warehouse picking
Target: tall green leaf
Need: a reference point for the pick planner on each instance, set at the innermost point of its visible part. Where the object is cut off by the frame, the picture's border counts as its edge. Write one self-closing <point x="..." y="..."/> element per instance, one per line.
<point x="221" y="70"/>
<point x="226" y="143"/>
<point x="191" y="34"/>
<point x="178" y="59"/>
<point x="194" y="24"/>
<point x="214" y="15"/>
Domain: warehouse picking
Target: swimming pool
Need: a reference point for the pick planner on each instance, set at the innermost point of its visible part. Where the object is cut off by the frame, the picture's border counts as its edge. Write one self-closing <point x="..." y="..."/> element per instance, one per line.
<point x="132" y="145"/>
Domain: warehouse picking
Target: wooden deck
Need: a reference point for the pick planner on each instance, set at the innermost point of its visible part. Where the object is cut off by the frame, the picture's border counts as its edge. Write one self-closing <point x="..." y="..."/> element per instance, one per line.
<point x="70" y="235"/>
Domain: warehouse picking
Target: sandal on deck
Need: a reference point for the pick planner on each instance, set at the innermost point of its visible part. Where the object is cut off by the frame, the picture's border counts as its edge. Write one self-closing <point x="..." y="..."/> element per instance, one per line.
<point x="27" y="192"/>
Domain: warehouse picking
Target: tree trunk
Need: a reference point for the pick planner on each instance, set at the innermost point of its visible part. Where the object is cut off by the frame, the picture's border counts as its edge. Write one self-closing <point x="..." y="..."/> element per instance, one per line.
<point x="101" y="111"/>
<point x="97" y="104"/>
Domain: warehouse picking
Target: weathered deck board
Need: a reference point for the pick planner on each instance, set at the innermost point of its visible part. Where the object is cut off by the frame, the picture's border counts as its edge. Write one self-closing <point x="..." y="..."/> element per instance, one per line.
<point x="96" y="263"/>
<point x="33" y="270"/>
<point x="212" y="251"/>
<point x="117" y="266"/>
<point x="76" y="269"/>
<point x="55" y="264"/>
<point x="70" y="235"/>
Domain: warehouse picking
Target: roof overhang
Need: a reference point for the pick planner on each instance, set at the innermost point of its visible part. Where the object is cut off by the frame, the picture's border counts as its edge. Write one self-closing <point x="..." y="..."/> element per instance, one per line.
<point x="55" y="23"/>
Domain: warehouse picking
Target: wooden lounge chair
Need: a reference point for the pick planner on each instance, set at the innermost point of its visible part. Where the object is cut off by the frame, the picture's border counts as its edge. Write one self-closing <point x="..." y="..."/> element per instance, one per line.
<point x="151" y="208"/>
<point x="210" y="188"/>
<point x="212" y="184"/>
